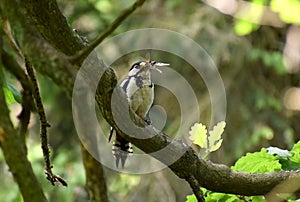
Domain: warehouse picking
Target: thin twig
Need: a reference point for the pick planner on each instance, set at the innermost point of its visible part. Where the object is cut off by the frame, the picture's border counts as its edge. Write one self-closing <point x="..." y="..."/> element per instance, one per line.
<point x="44" y="124"/>
<point x="196" y="188"/>
<point x="82" y="54"/>
<point x="27" y="100"/>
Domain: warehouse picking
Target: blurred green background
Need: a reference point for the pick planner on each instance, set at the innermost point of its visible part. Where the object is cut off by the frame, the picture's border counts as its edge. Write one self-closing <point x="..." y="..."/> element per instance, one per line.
<point x="256" y="47"/>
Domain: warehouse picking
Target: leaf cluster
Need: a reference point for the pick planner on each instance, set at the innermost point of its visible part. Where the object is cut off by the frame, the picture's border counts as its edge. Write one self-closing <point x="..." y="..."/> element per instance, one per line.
<point x="271" y="159"/>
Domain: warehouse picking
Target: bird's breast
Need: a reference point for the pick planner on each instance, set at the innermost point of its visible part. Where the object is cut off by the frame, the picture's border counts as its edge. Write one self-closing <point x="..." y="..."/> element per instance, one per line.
<point x="142" y="100"/>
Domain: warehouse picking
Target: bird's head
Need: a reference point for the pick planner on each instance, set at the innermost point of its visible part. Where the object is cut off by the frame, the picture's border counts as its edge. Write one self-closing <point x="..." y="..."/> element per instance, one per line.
<point x="145" y="67"/>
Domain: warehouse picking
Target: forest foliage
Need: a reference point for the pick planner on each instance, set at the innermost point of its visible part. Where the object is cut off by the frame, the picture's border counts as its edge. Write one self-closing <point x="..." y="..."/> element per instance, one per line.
<point x="258" y="59"/>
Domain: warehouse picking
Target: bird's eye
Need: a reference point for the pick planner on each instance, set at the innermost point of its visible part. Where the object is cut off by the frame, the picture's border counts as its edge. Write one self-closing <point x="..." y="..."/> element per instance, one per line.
<point x="135" y="65"/>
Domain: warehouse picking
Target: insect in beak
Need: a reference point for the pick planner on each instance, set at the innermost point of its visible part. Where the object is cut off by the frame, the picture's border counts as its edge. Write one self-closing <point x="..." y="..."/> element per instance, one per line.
<point x="159" y="64"/>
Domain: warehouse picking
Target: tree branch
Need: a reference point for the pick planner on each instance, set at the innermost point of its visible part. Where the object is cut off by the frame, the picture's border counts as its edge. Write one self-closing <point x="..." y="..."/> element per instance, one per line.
<point x="44" y="125"/>
<point x="215" y="177"/>
<point x="15" y="155"/>
<point x="96" y="189"/>
<point x="196" y="188"/>
<point x="48" y="59"/>
<point x="47" y="16"/>
<point x="79" y="57"/>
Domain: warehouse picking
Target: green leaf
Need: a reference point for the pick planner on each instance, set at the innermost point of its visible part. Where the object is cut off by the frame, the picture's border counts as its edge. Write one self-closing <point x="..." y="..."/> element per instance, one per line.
<point x="198" y="135"/>
<point x="278" y="60"/>
<point x="216" y="146"/>
<point x="277" y="151"/>
<point x="16" y="93"/>
<point x="288" y="10"/>
<point x="9" y="97"/>
<point x="215" y="135"/>
<point x="243" y="27"/>
<point x="258" y="162"/>
<point x="272" y="59"/>
<point x="286" y="159"/>
<point x="256" y="199"/>
<point x="221" y="197"/>
<point x="11" y="94"/>
<point x="210" y="142"/>
<point x="191" y="198"/>
<point x="288" y="164"/>
<point x="104" y="6"/>
<point x="296" y="154"/>
<point x="248" y="21"/>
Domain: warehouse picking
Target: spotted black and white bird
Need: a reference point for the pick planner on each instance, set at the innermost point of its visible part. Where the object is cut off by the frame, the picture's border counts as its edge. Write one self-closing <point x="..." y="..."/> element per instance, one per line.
<point x="139" y="90"/>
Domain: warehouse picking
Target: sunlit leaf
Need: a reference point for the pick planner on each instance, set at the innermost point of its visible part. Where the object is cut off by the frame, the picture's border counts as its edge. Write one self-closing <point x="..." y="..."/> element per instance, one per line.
<point x="9" y="97"/>
<point x="213" y="196"/>
<point x="288" y="10"/>
<point x="210" y="142"/>
<point x="16" y="93"/>
<point x="198" y="135"/>
<point x="215" y="135"/>
<point x="191" y="198"/>
<point x="248" y="20"/>
<point x="258" y="162"/>
<point x="256" y="199"/>
<point x="243" y="27"/>
<point x="216" y="146"/>
<point x="296" y="154"/>
<point x="296" y="148"/>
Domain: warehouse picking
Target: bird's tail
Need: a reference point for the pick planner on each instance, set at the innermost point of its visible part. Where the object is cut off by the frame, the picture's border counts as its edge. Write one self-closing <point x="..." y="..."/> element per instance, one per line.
<point x="121" y="149"/>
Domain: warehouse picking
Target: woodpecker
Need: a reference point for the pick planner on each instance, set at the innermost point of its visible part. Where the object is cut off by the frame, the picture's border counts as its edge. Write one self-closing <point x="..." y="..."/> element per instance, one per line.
<point x="139" y="90"/>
